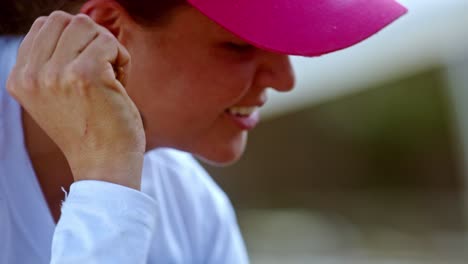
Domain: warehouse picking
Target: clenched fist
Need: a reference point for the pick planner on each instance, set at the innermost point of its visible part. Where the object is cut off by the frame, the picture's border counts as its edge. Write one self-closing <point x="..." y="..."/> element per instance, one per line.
<point x="69" y="77"/>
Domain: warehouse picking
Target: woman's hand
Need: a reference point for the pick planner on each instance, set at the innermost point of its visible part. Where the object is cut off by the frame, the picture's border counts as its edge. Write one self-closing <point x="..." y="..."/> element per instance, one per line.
<point x="69" y="77"/>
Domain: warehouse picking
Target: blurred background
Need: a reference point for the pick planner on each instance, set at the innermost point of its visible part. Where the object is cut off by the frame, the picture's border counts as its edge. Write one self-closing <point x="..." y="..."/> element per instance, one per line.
<point x="367" y="160"/>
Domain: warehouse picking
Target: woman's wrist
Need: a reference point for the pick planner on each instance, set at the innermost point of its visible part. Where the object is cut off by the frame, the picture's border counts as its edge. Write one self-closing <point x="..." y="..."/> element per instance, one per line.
<point x="124" y="169"/>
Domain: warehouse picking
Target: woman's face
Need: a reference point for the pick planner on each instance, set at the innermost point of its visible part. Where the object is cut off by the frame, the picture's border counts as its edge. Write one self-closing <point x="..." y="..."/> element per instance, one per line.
<point x="199" y="87"/>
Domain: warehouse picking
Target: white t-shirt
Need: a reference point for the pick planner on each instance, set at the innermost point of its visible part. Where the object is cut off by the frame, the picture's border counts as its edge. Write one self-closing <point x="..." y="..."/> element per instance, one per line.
<point x="180" y="216"/>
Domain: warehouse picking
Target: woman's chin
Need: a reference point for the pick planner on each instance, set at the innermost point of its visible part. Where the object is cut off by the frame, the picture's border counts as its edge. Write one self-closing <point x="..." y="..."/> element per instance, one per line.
<point x="219" y="153"/>
<point x="217" y="162"/>
<point x="221" y="157"/>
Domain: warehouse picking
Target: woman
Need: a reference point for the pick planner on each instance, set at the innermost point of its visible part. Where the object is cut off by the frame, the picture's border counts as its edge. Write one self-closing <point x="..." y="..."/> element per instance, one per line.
<point x="111" y="97"/>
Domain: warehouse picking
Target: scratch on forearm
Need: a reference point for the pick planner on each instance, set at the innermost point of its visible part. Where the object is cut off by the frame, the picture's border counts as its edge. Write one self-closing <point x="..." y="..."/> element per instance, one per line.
<point x="86" y="128"/>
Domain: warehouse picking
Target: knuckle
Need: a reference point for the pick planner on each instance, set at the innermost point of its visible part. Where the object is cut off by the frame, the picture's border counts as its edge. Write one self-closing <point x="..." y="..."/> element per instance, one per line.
<point x="60" y="16"/>
<point x="76" y="77"/>
<point x="22" y="83"/>
<point x="82" y="20"/>
<point x="40" y="20"/>
<point x="126" y="59"/>
<point x="107" y="37"/>
<point x="50" y="78"/>
<point x="12" y="81"/>
<point x="30" y="80"/>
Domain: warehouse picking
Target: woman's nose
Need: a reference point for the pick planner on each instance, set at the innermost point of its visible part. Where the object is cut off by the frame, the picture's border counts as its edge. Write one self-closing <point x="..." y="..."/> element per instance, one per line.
<point x="276" y="72"/>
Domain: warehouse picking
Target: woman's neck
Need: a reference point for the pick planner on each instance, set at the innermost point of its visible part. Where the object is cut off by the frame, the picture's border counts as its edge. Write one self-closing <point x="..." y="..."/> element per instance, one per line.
<point x="49" y="163"/>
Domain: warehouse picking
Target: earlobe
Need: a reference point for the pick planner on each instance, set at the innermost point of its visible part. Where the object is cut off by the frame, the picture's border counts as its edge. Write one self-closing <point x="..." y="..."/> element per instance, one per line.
<point x="106" y="13"/>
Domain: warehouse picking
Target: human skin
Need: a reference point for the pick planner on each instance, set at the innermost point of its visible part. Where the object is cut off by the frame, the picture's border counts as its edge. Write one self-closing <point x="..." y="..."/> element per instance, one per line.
<point x="181" y="78"/>
<point x="64" y="78"/>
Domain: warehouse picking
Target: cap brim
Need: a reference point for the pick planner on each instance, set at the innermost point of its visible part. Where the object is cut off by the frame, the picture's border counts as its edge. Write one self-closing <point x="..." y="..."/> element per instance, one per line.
<point x="301" y="27"/>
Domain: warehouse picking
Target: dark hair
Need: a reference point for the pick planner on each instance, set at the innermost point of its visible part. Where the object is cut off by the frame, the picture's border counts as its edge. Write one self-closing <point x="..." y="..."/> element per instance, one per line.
<point x="17" y="16"/>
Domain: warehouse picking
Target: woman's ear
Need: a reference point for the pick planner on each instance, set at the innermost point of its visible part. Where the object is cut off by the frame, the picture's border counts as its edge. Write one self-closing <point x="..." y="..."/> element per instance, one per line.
<point x="107" y="13"/>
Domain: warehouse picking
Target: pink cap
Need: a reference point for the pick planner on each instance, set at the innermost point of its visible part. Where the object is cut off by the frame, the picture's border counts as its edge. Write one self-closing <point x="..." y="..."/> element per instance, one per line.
<point x="302" y="27"/>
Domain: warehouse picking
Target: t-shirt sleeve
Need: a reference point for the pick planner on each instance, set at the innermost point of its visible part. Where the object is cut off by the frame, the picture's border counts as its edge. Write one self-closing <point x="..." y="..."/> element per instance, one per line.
<point x="104" y="223"/>
<point x="226" y="244"/>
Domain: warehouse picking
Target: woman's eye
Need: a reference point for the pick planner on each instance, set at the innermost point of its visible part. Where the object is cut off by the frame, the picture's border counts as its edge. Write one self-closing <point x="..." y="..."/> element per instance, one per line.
<point x="241" y="48"/>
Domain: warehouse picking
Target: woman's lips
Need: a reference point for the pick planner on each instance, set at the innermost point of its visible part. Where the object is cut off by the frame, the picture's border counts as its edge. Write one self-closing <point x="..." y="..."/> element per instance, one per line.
<point x="244" y="122"/>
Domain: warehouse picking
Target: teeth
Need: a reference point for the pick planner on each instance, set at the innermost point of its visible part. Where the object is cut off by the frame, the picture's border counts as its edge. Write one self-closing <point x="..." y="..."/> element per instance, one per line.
<point x="244" y="111"/>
